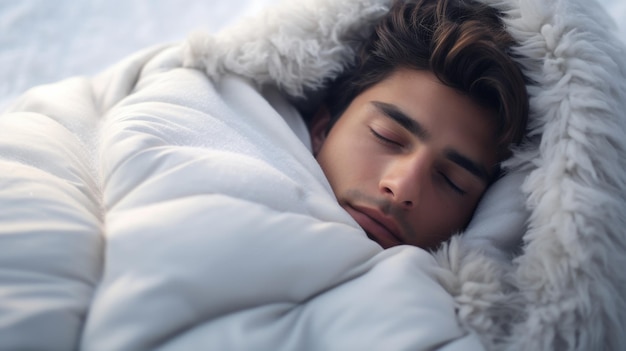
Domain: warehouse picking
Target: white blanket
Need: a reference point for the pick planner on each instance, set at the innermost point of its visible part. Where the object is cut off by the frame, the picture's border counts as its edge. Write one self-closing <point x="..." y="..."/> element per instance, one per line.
<point x="171" y="203"/>
<point x="195" y="216"/>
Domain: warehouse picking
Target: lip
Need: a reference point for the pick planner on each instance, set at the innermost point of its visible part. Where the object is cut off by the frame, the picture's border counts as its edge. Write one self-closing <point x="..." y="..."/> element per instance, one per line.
<point x="377" y="225"/>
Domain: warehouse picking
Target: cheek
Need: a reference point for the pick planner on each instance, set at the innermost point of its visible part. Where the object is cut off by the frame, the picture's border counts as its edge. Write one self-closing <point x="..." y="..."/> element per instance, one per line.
<point x="345" y="159"/>
<point x="442" y="217"/>
<point x="334" y="158"/>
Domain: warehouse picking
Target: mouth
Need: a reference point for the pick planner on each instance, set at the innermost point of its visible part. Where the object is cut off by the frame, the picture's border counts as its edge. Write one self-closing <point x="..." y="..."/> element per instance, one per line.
<point x="378" y="226"/>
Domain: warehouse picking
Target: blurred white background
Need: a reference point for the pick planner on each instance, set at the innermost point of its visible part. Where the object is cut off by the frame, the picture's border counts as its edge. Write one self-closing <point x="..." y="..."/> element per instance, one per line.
<point x="43" y="41"/>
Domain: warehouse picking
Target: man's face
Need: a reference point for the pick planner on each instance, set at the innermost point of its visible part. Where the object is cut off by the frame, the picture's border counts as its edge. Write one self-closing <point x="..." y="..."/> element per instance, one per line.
<point x="409" y="159"/>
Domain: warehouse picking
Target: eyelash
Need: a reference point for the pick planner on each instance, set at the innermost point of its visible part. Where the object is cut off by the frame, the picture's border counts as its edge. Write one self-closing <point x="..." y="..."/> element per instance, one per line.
<point x="385" y="140"/>
<point x="451" y="184"/>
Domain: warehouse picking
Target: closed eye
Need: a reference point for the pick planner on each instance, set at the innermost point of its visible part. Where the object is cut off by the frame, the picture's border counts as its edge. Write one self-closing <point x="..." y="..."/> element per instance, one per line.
<point x="452" y="184"/>
<point x="385" y="140"/>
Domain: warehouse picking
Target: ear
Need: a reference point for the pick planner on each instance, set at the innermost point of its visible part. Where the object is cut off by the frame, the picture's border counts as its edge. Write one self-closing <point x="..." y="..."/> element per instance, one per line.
<point x="318" y="128"/>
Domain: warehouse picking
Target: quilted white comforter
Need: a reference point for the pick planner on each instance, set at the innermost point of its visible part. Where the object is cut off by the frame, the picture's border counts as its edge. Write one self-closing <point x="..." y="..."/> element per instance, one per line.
<point x="172" y="203"/>
<point x="150" y="208"/>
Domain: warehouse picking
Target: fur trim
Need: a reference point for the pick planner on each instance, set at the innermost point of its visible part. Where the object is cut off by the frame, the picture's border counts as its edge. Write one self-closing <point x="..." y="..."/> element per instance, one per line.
<point x="571" y="274"/>
<point x="487" y="303"/>
<point x="299" y="45"/>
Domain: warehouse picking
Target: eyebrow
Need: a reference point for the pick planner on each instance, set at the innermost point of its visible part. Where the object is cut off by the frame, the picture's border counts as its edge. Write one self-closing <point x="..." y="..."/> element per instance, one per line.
<point x="408" y="123"/>
<point x="394" y="113"/>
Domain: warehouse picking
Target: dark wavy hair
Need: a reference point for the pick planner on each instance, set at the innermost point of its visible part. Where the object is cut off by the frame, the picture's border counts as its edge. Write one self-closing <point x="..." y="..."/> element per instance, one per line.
<point x="463" y="42"/>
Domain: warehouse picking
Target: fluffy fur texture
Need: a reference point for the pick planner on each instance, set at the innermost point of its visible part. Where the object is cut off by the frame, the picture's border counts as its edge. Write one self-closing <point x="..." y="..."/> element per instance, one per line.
<point x="570" y="276"/>
<point x="298" y="45"/>
<point x="565" y="291"/>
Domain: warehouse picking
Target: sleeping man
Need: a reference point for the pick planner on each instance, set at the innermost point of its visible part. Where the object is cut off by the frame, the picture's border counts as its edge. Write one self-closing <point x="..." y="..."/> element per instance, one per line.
<point x="411" y="137"/>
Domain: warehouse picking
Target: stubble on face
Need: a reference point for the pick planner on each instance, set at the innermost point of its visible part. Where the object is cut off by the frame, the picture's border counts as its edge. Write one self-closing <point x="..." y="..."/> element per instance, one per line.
<point x="354" y="197"/>
<point x="409" y="234"/>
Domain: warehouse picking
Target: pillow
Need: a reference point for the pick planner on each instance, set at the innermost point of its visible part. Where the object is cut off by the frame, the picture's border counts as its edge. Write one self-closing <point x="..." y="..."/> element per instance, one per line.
<point x="501" y="217"/>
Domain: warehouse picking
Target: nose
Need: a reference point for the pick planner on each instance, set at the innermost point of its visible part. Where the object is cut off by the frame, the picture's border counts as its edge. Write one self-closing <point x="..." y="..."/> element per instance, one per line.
<point x="404" y="179"/>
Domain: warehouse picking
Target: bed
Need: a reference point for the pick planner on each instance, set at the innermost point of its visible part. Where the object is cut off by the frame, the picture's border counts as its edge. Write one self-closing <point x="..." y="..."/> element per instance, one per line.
<point x="171" y="202"/>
